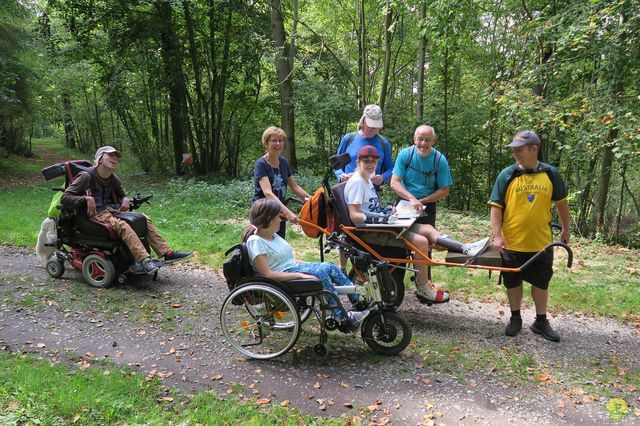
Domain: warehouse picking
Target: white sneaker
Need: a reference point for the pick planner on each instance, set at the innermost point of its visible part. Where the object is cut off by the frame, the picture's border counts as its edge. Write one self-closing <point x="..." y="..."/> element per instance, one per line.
<point x="431" y="293"/>
<point x="477" y="248"/>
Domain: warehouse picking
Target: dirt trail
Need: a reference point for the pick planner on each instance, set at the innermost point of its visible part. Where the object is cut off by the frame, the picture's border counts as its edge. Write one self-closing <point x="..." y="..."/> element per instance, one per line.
<point x="170" y="329"/>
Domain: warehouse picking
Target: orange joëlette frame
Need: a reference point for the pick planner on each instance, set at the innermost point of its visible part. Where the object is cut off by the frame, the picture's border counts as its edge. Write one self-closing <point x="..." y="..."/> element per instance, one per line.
<point x="351" y="231"/>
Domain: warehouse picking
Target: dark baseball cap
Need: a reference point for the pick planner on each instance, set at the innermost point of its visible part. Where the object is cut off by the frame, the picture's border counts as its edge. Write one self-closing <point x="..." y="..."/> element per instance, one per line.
<point x="527" y="137"/>
<point x="368" y="151"/>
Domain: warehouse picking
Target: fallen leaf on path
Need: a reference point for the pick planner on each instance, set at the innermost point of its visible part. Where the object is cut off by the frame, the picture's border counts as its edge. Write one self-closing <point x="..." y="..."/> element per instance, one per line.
<point x="176" y="305"/>
<point x="345" y="385"/>
<point x="317" y="385"/>
<point x="263" y="401"/>
<point x="284" y="403"/>
<point x="165" y="399"/>
<point x="41" y="345"/>
<point x="216" y="377"/>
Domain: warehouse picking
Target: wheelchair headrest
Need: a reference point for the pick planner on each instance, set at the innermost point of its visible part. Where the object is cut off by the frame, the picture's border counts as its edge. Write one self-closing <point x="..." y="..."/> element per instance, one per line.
<point x="69" y="169"/>
<point x="341" y="207"/>
<point x="338" y="162"/>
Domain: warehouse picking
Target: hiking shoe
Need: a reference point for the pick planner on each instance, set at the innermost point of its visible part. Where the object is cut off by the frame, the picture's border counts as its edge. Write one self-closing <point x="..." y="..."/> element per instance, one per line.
<point x="150" y="267"/>
<point x="431" y="293"/>
<point x="477" y="248"/>
<point x="173" y="256"/>
<point x="544" y="329"/>
<point x="144" y="267"/>
<point x="514" y="326"/>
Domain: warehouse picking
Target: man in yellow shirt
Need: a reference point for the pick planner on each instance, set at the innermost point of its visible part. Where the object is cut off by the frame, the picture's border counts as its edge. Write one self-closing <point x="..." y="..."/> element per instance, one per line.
<point x="521" y="203"/>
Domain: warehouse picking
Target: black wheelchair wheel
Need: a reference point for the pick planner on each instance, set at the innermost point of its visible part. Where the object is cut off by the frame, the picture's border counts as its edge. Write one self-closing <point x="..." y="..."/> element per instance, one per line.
<point x="98" y="271"/>
<point x="55" y="268"/>
<point x="267" y="323"/>
<point x="386" y="333"/>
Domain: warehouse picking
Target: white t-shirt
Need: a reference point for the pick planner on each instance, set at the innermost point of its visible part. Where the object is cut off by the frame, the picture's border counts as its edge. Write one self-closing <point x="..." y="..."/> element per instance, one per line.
<point x="278" y="251"/>
<point x="361" y="191"/>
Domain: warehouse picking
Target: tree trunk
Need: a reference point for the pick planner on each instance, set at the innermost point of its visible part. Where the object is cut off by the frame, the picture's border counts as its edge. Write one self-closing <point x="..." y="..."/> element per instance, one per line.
<point x="612" y="134"/>
<point x="362" y="56"/>
<point x="68" y="121"/>
<point x="603" y="182"/>
<point x="387" y="54"/>
<point x="172" y="60"/>
<point x="421" y="62"/>
<point x="285" y="84"/>
<point x="445" y="78"/>
<point x="198" y="118"/>
<point x="221" y="90"/>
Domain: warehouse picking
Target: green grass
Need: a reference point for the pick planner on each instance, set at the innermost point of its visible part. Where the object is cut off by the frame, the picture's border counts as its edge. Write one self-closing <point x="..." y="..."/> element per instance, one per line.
<point x="36" y="391"/>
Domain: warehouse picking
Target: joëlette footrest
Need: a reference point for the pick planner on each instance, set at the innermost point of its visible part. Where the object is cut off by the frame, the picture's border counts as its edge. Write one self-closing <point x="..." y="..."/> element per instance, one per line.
<point x="490" y="257"/>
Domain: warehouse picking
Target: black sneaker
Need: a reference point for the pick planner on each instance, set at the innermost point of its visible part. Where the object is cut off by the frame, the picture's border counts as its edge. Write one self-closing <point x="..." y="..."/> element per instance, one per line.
<point x="173" y="256"/>
<point x="544" y="329"/>
<point x="150" y="267"/>
<point x="514" y="326"/>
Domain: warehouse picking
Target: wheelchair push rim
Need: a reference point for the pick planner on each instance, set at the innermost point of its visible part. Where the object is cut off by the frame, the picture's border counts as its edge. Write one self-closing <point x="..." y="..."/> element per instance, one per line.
<point x="265" y="325"/>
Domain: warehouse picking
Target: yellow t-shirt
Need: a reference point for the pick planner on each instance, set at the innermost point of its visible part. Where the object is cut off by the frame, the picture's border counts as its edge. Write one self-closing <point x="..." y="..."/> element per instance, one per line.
<point x="526" y="202"/>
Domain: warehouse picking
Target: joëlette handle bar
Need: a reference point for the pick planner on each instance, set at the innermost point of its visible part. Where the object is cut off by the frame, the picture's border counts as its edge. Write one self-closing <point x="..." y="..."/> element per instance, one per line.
<point x="555" y="244"/>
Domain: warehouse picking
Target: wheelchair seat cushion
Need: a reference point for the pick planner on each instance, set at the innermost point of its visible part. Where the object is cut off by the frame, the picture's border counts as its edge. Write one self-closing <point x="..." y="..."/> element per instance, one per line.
<point x="88" y="228"/>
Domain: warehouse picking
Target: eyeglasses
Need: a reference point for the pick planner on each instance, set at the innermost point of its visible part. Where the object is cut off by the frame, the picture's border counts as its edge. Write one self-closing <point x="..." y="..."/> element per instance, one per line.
<point x="421" y="139"/>
<point x="276" y="140"/>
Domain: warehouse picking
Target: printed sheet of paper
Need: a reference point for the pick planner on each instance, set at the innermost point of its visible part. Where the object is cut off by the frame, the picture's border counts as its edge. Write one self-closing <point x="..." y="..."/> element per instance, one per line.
<point x="405" y="210"/>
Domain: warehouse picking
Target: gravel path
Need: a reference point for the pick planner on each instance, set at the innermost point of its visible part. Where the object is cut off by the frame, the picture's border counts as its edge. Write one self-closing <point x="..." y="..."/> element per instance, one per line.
<point x="169" y="329"/>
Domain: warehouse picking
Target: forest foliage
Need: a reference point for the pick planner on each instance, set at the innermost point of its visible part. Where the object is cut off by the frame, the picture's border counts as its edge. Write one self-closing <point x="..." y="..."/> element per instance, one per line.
<point x="162" y="78"/>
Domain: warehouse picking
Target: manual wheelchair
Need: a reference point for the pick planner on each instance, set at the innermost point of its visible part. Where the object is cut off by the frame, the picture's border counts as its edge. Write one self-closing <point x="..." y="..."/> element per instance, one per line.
<point x="90" y="246"/>
<point x="262" y="318"/>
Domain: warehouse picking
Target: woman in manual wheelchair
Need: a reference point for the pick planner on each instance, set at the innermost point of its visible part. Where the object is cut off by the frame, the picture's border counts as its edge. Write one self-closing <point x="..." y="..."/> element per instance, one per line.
<point x="261" y="318"/>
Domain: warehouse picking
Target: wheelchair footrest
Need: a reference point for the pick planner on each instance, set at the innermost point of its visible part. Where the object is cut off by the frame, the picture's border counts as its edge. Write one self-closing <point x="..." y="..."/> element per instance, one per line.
<point x="490" y="257"/>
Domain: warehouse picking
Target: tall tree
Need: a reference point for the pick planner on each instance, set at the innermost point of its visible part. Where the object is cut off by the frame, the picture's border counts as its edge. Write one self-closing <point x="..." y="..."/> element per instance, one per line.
<point x="284" y="71"/>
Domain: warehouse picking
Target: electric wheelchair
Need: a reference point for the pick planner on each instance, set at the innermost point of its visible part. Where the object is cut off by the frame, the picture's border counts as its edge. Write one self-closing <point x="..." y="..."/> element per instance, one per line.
<point x="92" y="247"/>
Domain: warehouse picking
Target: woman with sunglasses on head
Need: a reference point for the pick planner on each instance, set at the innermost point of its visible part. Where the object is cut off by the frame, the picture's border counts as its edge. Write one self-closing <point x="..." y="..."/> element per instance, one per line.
<point x="272" y="175"/>
<point x="271" y="256"/>
<point x="364" y="207"/>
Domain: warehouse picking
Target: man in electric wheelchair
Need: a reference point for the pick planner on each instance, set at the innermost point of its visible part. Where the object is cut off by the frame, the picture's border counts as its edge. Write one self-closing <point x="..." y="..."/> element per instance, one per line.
<point x="98" y="192"/>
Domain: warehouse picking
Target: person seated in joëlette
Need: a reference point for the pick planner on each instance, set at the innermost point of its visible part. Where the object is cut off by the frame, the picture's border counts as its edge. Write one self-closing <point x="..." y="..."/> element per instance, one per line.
<point x="364" y="206"/>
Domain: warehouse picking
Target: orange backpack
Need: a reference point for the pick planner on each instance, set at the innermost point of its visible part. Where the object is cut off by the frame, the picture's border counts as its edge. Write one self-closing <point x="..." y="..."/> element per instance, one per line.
<point x="316" y="210"/>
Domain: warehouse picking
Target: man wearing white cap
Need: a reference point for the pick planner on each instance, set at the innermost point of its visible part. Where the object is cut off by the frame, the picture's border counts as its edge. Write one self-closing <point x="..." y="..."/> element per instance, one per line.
<point x="100" y="190"/>
<point x="368" y="134"/>
<point x="521" y="203"/>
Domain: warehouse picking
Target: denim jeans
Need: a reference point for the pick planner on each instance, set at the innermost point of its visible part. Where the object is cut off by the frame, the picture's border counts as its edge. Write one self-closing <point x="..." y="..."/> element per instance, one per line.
<point x="330" y="276"/>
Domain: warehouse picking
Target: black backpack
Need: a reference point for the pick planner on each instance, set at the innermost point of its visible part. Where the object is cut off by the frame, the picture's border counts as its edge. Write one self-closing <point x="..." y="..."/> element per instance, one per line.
<point x="237" y="266"/>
